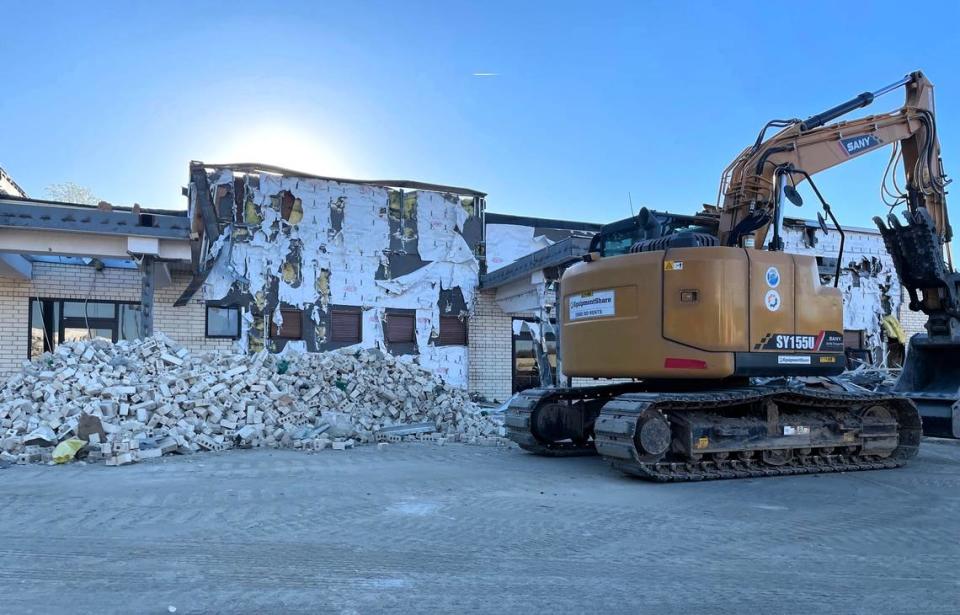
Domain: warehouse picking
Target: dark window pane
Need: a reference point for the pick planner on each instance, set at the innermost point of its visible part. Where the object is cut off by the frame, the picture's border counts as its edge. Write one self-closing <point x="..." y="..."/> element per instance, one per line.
<point x="345" y="326"/>
<point x="453" y="331"/>
<point x="75" y="309"/>
<point x="401" y="328"/>
<point x="129" y="322"/>
<point x="223" y="321"/>
<point x="290" y="328"/>
<point x="37" y="330"/>
<point x="523" y="348"/>
<point x="853" y="338"/>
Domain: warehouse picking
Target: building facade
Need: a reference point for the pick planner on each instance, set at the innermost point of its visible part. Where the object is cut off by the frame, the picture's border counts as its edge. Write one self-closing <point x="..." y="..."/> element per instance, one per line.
<point x="265" y="258"/>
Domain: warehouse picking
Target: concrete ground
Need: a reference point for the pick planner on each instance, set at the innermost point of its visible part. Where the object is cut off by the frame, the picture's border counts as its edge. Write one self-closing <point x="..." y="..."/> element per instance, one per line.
<point x="421" y="528"/>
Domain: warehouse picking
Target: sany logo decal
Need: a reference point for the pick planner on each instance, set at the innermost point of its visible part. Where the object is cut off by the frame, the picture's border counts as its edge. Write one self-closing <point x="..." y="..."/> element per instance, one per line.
<point x="825" y="341"/>
<point x="855" y="145"/>
<point x="772" y="300"/>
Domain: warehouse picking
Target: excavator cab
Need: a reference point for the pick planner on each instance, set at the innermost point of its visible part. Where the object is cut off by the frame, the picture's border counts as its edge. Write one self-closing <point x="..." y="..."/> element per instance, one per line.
<point x="619" y="237"/>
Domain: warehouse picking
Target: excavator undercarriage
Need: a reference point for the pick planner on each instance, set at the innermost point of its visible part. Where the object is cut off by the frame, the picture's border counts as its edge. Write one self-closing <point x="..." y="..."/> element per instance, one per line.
<point x="737" y="432"/>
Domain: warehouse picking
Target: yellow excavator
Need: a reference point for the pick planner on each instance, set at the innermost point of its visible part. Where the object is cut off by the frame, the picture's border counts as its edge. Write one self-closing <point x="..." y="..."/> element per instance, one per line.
<point x="685" y="318"/>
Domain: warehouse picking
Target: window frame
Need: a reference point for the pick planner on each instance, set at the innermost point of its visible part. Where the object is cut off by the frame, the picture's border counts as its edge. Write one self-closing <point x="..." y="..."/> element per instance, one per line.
<point x="206" y="321"/>
<point x="515" y="375"/>
<point x="390" y="313"/>
<point x="287" y="313"/>
<point x="465" y="321"/>
<point x="344" y="309"/>
<point x="113" y="324"/>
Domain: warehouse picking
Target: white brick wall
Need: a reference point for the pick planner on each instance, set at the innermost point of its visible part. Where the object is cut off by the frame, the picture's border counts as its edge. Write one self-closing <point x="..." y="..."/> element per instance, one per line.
<point x="491" y="349"/>
<point x="185" y="325"/>
<point x="912" y="322"/>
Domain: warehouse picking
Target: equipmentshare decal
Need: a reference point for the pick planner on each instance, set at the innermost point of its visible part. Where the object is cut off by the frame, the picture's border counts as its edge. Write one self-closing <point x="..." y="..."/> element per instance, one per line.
<point x="593" y="304"/>
<point x="825" y="341"/>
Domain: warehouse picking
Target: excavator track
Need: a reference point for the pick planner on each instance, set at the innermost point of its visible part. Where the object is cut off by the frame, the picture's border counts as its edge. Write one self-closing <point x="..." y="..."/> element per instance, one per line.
<point x="828" y="431"/>
<point x="520" y="418"/>
<point x="616" y="428"/>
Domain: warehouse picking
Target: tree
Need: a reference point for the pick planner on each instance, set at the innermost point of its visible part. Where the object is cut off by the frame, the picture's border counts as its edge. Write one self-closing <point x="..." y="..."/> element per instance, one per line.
<point x="69" y="192"/>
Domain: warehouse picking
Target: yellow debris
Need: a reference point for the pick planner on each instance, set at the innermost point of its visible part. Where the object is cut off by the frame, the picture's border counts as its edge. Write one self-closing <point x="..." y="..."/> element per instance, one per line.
<point x="65" y="451"/>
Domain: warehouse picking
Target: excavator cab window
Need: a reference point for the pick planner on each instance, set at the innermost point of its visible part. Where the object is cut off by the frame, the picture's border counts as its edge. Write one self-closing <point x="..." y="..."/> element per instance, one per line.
<point x="618" y="237"/>
<point x="618" y="243"/>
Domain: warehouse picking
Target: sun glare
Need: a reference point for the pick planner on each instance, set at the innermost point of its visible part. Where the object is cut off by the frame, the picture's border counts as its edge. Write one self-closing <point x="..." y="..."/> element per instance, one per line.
<point x="285" y="146"/>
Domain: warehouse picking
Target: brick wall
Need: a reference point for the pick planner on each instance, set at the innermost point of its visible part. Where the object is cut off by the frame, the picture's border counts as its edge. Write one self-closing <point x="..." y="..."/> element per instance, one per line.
<point x="911" y="321"/>
<point x="491" y="349"/>
<point x="186" y="325"/>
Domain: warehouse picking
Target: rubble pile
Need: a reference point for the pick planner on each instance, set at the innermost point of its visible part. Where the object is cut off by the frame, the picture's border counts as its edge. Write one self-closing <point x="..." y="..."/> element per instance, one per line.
<point x="149" y="397"/>
<point x="863" y="378"/>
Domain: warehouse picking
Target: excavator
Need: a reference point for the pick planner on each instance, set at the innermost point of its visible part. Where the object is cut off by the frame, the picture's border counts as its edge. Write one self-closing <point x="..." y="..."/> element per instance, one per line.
<point x="695" y="326"/>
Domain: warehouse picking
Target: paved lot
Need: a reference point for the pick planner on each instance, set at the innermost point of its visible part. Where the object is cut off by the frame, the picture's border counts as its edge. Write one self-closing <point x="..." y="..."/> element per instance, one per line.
<point x="459" y="529"/>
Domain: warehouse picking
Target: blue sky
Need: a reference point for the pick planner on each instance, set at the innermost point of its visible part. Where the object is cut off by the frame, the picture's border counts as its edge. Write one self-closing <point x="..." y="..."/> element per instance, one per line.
<point x="591" y="101"/>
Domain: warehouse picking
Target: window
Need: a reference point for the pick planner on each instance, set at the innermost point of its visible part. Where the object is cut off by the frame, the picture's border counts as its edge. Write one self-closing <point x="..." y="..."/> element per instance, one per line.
<point x="223" y="321"/>
<point x="401" y="327"/>
<point x="534" y="363"/>
<point x="55" y="321"/>
<point x="853" y="339"/>
<point x="291" y="326"/>
<point x="853" y="347"/>
<point x="345" y="325"/>
<point x="453" y="331"/>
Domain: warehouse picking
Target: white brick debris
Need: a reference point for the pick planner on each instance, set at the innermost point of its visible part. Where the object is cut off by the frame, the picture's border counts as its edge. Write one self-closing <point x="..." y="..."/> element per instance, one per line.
<point x="150" y="397"/>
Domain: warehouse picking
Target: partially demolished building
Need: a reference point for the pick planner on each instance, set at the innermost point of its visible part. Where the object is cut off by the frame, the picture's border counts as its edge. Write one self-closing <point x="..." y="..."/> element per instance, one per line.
<point x="315" y="263"/>
<point x="292" y="262"/>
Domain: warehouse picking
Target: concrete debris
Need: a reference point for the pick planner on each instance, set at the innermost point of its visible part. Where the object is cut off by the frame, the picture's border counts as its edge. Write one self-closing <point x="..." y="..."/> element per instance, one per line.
<point x="863" y="378"/>
<point x="145" y="398"/>
<point x="405" y="430"/>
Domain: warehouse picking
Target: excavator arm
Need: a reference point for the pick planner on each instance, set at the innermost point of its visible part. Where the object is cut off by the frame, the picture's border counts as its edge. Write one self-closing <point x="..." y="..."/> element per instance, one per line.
<point x="756" y="184"/>
<point x="752" y="184"/>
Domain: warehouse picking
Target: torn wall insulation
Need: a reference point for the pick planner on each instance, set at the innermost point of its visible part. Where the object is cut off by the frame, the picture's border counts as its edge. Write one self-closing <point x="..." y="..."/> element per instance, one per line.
<point x="524" y="296"/>
<point x="506" y="243"/>
<point x="314" y="245"/>
<point x="868" y="280"/>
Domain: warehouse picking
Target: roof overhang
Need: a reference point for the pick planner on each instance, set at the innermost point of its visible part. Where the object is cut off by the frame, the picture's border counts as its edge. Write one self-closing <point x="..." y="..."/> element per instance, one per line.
<point x="564" y="252"/>
<point x="37" y="227"/>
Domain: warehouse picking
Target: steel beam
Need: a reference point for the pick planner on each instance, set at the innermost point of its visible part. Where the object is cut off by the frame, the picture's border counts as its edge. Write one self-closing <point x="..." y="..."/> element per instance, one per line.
<point x="200" y="188"/>
<point x="44" y="215"/>
<point x="146" y="296"/>
<point x="192" y="287"/>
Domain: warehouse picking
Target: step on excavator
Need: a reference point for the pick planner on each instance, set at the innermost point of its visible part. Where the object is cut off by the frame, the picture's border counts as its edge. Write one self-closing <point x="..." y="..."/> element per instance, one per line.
<point x="688" y="320"/>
